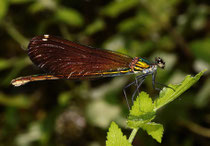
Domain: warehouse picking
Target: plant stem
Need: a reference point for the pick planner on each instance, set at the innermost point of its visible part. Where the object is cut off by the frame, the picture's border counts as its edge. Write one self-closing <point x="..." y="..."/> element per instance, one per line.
<point x="133" y="133"/>
<point x="15" y="34"/>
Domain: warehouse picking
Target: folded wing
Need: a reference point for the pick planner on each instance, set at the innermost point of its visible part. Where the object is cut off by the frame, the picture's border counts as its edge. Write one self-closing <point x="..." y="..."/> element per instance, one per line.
<point x="72" y="60"/>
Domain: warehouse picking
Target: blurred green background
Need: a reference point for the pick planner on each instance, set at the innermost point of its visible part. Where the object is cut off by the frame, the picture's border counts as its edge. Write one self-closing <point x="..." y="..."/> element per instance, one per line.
<point x="67" y="112"/>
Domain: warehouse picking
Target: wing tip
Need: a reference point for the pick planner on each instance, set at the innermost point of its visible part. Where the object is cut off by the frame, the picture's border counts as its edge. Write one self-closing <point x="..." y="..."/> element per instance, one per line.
<point x="37" y="39"/>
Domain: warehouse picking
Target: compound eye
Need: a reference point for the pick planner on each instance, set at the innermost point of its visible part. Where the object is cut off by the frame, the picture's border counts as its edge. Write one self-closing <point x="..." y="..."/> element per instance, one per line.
<point x="160" y="62"/>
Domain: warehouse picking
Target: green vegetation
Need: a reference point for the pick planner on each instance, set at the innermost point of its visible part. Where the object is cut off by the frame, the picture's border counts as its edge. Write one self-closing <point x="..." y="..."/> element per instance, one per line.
<point x="143" y="112"/>
<point x="67" y="112"/>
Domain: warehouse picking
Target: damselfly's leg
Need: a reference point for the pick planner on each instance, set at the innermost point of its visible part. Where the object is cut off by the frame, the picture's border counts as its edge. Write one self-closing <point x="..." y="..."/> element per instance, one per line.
<point x="154" y="82"/>
<point x="136" y="84"/>
<point x="124" y="92"/>
<point x="165" y="86"/>
<point x="130" y="84"/>
<point x="141" y="80"/>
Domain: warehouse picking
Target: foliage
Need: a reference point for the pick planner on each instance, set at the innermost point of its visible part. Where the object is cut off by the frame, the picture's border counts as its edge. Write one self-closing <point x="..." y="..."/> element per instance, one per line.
<point x="144" y="110"/>
<point x="79" y="112"/>
<point x="115" y="137"/>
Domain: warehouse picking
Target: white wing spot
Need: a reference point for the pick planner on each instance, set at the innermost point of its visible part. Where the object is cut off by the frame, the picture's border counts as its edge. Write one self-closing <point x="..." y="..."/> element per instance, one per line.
<point x="45" y="40"/>
<point x="46" y="36"/>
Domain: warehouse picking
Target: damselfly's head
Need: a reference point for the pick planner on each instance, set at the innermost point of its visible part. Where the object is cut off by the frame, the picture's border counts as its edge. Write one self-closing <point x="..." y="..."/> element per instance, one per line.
<point x="159" y="62"/>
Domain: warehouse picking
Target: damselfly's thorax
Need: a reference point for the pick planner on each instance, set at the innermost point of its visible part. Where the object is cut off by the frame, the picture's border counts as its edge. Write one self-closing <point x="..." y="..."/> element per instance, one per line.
<point x="144" y="66"/>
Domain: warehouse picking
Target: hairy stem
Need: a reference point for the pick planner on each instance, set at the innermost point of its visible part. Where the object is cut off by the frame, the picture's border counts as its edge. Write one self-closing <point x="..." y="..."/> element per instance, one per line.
<point x="133" y="134"/>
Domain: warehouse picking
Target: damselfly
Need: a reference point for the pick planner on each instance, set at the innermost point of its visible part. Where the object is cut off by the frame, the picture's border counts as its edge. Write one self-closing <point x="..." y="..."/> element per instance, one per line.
<point x="63" y="59"/>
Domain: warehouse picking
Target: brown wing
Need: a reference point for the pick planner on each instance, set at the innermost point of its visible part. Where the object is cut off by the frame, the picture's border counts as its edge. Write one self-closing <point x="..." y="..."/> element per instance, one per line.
<point x="72" y="60"/>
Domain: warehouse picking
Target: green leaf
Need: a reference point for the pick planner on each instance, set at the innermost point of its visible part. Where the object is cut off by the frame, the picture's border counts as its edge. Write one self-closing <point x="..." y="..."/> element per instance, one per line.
<point x="155" y="130"/>
<point x="42" y="5"/>
<point x="161" y="10"/>
<point x="141" y="48"/>
<point x="96" y="26"/>
<point x="200" y="48"/>
<point x="69" y="16"/>
<point x="115" y="137"/>
<point x="5" y="63"/>
<point x="139" y="121"/>
<point x="167" y="95"/>
<point x="117" y="7"/>
<point x="36" y="7"/>
<point x="143" y="23"/>
<point x="20" y="1"/>
<point x="31" y="134"/>
<point x="18" y="65"/>
<point x="143" y="104"/>
<point x="202" y="97"/>
<point x="115" y="43"/>
<point x="142" y="111"/>
<point x="20" y="101"/>
<point x="3" y="8"/>
<point x="64" y="98"/>
<point x="100" y="113"/>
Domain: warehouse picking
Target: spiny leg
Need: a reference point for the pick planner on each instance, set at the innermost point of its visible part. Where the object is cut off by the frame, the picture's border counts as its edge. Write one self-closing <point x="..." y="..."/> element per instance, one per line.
<point x="130" y="84"/>
<point x="154" y="82"/>
<point x="124" y="92"/>
<point x="139" y="80"/>
<point x="165" y="86"/>
<point x="136" y="84"/>
<point x="137" y="88"/>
